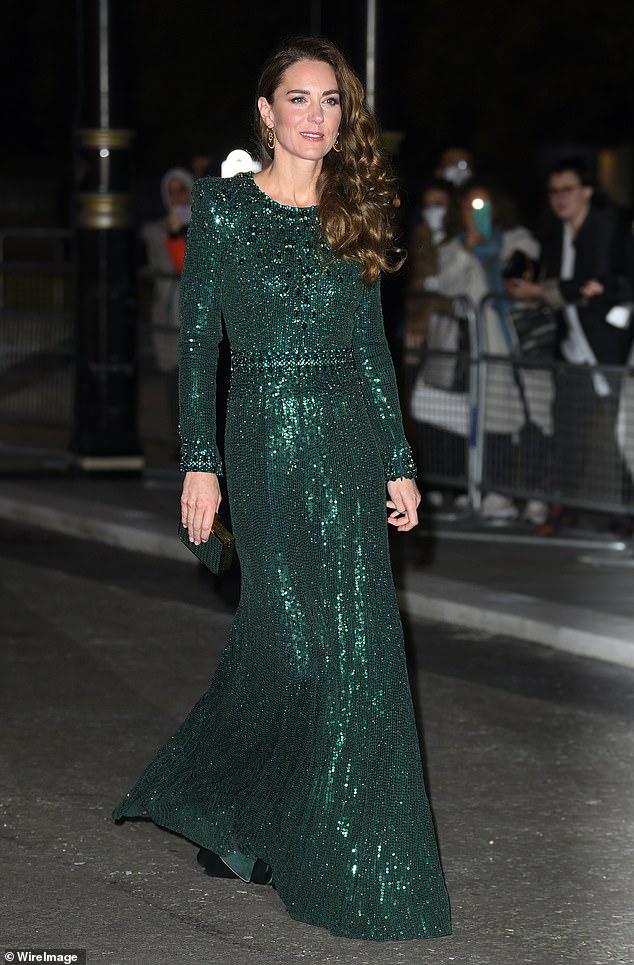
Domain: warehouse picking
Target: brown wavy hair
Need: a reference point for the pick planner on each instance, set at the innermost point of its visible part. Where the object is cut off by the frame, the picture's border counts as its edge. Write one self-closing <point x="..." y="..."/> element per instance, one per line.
<point x="356" y="190"/>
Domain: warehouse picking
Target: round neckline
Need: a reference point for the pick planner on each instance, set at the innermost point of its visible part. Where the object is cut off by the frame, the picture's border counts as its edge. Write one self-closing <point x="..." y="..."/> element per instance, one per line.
<point x="278" y="204"/>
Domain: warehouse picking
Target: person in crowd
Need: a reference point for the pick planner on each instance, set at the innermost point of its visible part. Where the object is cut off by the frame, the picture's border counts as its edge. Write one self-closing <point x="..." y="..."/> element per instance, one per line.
<point x="165" y="241"/>
<point x="492" y="233"/>
<point x="588" y="276"/>
<point x="455" y="166"/>
<point x="422" y="265"/>
<point x="491" y="230"/>
<point x="439" y="271"/>
<point x="301" y="762"/>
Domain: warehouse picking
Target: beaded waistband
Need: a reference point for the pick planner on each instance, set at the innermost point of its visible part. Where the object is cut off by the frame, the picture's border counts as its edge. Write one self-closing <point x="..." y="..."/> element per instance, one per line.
<point x="337" y="358"/>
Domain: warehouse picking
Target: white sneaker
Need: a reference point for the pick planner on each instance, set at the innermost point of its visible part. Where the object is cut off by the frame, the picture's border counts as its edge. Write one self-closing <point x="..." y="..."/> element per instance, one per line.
<point x="536" y="512"/>
<point x="496" y="506"/>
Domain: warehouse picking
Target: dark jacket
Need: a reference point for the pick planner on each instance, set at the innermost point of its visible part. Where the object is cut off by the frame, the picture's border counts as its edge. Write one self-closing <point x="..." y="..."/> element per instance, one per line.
<point x="604" y="249"/>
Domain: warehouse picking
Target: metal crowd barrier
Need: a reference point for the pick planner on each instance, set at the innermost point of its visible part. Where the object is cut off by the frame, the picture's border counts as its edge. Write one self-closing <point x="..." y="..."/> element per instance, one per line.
<point x="482" y="417"/>
<point x="37" y="348"/>
<point x="567" y="431"/>
<point x="527" y="428"/>
<point x="442" y="390"/>
<point x="36" y="327"/>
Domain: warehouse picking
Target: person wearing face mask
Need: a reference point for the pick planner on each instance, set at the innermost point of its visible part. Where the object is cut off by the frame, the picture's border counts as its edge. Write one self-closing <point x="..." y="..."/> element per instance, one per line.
<point x="165" y="240"/>
<point x="493" y="240"/>
<point x="422" y="267"/>
<point x="176" y="192"/>
<point x="435" y="204"/>
<point x="440" y="270"/>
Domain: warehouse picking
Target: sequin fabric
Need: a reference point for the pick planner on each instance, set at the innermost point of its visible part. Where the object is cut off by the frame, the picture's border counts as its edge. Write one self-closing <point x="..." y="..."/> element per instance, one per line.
<point x="304" y="751"/>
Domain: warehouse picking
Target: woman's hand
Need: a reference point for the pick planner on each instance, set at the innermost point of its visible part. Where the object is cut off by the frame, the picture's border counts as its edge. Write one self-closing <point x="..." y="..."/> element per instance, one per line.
<point x="404" y="501"/>
<point x="199" y="504"/>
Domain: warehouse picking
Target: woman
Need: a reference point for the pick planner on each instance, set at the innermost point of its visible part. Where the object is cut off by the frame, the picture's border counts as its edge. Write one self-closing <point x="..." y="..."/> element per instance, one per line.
<point x="436" y="338"/>
<point x="423" y="246"/>
<point x="303" y="753"/>
<point x="493" y="245"/>
<point x="492" y="232"/>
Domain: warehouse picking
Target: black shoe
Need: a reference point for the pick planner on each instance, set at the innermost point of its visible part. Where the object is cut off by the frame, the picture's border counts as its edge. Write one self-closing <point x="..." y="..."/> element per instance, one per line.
<point x="215" y="867"/>
<point x="262" y="874"/>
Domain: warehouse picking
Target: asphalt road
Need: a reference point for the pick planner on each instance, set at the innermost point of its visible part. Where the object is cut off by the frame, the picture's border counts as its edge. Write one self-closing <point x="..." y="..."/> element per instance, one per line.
<point x="529" y="757"/>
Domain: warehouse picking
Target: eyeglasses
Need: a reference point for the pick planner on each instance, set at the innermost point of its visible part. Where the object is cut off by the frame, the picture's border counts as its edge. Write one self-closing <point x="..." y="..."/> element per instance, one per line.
<point x="565" y="190"/>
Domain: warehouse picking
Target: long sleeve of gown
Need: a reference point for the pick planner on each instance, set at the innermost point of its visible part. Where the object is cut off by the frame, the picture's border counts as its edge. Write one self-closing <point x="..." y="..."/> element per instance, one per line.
<point x="378" y="381"/>
<point x="201" y="331"/>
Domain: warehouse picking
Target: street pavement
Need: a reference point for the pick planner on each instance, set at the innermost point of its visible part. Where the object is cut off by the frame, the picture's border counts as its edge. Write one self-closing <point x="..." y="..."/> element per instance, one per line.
<point x="528" y="750"/>
<point x="572" y="593"/>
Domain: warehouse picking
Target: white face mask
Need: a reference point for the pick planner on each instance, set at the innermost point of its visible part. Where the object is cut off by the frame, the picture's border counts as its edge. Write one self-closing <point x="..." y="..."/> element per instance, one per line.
<point x="458" y="173"/>
<point x="434" y="217"/>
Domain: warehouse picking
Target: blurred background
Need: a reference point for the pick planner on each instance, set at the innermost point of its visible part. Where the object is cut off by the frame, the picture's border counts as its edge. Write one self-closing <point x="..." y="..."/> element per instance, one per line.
<point x="515" y="84"/>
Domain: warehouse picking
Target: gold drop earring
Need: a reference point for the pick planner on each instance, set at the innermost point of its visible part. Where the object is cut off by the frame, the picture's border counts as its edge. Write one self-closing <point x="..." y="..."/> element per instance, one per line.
<point x="270" y="138"/>
<point x="337" y="145"/>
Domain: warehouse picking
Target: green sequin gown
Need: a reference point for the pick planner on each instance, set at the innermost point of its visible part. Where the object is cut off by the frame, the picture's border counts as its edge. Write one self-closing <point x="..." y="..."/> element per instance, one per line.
<point x="303" y="752"/>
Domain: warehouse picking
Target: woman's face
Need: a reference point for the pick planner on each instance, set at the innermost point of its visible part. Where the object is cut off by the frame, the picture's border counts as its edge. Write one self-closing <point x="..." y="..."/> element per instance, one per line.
<point x="305" y="112"/>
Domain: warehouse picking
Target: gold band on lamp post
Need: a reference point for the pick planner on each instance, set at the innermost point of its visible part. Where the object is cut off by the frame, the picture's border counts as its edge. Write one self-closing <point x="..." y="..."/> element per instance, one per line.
<point x="104" y="210"/>
<point x="110" y="137"/>
<point x="110" y="463"/>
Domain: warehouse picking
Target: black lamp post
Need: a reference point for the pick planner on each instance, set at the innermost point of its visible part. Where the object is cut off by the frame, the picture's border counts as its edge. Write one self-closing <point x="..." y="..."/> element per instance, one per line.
<point x="105" y="432"/>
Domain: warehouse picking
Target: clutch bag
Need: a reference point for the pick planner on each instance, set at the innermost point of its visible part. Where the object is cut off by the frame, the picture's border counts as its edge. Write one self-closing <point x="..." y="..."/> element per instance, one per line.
<point x="217" y="552"/>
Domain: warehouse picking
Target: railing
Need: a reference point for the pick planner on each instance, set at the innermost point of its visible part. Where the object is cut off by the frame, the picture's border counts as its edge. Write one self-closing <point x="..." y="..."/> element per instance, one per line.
<point x="442" y="399"/>
<point x="483" y="418"/>
<point x="37" y="351"/>
<point x="36" y="327"/>
<point x="526" y="428"/>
